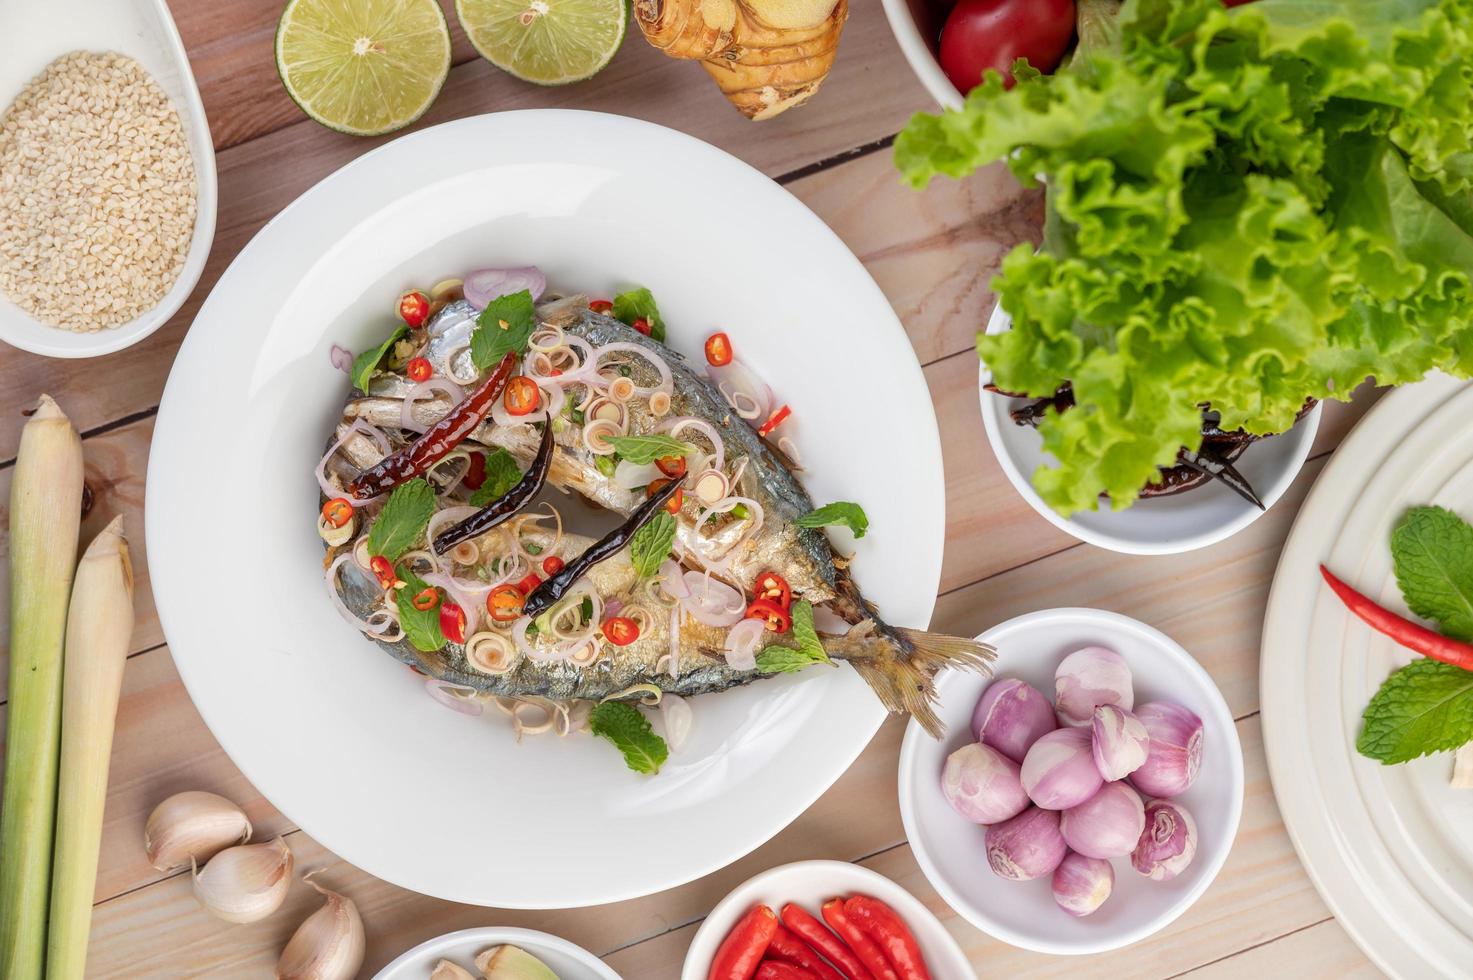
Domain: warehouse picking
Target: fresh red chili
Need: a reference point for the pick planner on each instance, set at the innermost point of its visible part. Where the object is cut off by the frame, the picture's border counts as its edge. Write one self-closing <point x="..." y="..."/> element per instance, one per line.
<point x="383" y="570"/>
<point x="741" y="951"/>
<point x="718" y="349"/>
<point x="777" y="618"/>
<point x="600" y="305"/>
<point x="774" y="420"/>
<point x="552" y="564"/>
<point x="620" y="630"/>
<point x="1413" y="636"/>
<point x="676" y="499"/>
<point x="864" y="947"/>
<point x="642" y="325"/>
<point x="414" y="308"/>
<point x="337" y="511"/>
<point x="418" y="369"/>
<point x="774" y="588"/>
<point x="779" y="970"/>
<point x="504" y="604"/>
<point x="452" y="622"/>
<point x="435" y="444"/>
<point x="475" y="473"/>
<point x="671" y="466"/>
<point x="789" y="947"/>
<point x="526" y="585"/>
<point x="815" y="934"/>
<point x="426" y="599"/>
<point x="881" y="923"/>
<point x="521" y="396"/>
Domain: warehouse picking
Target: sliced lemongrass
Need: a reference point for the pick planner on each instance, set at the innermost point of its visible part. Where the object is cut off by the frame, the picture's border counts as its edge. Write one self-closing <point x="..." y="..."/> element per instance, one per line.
<point x="361" y="557"/>
<point x="710" y="487"/>
<point x="596" y="437"/>
<point x="659" y="403"/>
<point x="587" y="654"/>
<point x="465" y="553"/>
<point x="448" y="290"/>
<point x="601" y="409"/>
<point x="621" y="389"/>
<point x="333" y="534"/>
<point x="491" y="653"/>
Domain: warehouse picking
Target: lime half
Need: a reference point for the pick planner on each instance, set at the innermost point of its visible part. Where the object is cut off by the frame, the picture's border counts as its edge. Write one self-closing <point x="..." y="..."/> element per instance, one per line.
<point x="363" y="67"/>
<point x="550" y="42"/>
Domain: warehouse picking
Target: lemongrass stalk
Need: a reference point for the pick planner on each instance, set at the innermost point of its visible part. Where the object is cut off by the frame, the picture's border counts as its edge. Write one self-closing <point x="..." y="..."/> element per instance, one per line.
<point x="45" y="511"/>
<point x="98" y="629"/>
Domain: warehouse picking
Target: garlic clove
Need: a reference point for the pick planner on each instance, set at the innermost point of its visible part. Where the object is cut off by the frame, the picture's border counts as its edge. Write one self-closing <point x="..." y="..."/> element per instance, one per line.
<point x="446" y="970"/>
<point x="329" y="943"/>
<point x="245" y="883"/>
<point x="192" y="826"/>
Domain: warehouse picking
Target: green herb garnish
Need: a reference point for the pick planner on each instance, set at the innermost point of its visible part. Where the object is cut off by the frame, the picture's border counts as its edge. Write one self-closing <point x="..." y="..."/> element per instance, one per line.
<point x="421" y="626"/>
<point x="1433" y="551"/>
<point x="630" y="731"/>
<point x="789" y="660"/>
<point x="402" y="522"/>
<point x="637" y="303"/>
<point x="651" y="544"/>
<point x="646" y="449"/>
<point x="367" y="362"/>
<point x="504" y="327"/>
<point x="501" y="475"/>
<point x="841" y="512"/>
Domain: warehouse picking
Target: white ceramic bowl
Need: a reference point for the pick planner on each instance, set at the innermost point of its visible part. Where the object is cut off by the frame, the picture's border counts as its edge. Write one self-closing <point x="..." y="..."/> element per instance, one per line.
<point x="917" y="24"/>
<point x="950" y="849"/>
<point x="810" y="884"/>
<point x="35" y="33"/>
<point x="1159" y="525"/>
<point x="568" y="961"/>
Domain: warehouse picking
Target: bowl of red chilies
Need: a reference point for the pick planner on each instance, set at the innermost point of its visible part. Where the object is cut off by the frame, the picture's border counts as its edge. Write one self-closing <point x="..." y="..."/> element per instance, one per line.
<point x="823" y="920"/>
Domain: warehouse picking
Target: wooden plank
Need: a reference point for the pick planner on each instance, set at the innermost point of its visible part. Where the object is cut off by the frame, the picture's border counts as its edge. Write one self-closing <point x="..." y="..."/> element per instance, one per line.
<point x="1319" y="952"/>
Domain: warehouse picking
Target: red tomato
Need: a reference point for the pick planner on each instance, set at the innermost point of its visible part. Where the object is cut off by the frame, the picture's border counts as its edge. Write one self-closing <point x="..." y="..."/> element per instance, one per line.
<point x="642" y="325"/>
<point x="505" y="603"/>
<point x="982" y="34"/>
<point x="552" y="564"/>
<point x="521" y="396"/>
<point x="620" y="630"/>
<point x="600" y="306"/>
<point x="419" y="369"/>
<point x="718" y="349"/>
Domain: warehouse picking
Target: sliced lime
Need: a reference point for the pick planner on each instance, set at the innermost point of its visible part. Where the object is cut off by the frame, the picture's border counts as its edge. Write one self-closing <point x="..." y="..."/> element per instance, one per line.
<point x="550" y="42"/>
<point x="363" y="67"/>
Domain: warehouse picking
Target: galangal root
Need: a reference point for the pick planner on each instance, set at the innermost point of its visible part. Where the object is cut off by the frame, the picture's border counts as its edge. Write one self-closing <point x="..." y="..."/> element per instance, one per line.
<point x="766" y="55"/>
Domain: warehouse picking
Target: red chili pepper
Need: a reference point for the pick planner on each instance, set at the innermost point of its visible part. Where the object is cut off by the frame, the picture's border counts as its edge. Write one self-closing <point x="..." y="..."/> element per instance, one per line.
<point x="718" y="349"/>
<point x="436" y="444"/>
<point x="778" y="619"/>
<point x="1413" y="636"/>
<point x="426" y="599"/>
<point x="864" y="947"/>
<point x="504" y="604"/>
<point x="552" y="564"/>
<point x="813" y="932"/>
<point x="383" y="570"/>
<point x="337" y="511"/>
<point x="881" y="923"/>
<point x="522" y="396"/>
<point x="778" y="970"/>
<point x="620" y="630"/>
<point x="671" y="466"/>
<point x="788" y="946"/>
<point x="526" y="585"/>
<point x="642" y="325"/>
<point x="741" y="951"/>
<point x="600" y="305"/>
<point x="419" y="369"/>
<point x="414" y="308"/>
<point x="676" y="500"/>
<point x="475" y="473"/>
<point x="452" y="622"/>
<point x="774" y="420"/>
<point x="774" y="588"/>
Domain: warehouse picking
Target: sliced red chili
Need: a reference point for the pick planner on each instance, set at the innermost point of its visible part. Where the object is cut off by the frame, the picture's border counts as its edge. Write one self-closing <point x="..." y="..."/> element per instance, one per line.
<point x="671" y="466"/>
<point x="522" y="396"/>
<point x="774" y="420"/>
<point x="452" y="622"/>
<point x="774" y="588"/>
<point x="642" y="325"/>
<point x="552" y="564"/>
<point x="337" y="511"/>
<point x="419" y="369"/>
<point x="504" y="604"/>
<point x="718" y="349"/>
<point x="600" y="305"/>
<point x="620" y="630"/>
<point x="414" y="308"/>
<point x="383" y="570"/>
<point x="673" y="504"/>
<point x="777" y="618"/>
<point x="526" y="585"/>
<point x="426" y="599"/>
<point x="475" y="473"/>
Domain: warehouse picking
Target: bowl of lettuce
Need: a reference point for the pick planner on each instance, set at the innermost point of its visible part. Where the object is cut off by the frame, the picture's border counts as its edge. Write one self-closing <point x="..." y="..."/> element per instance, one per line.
<point x="1247" y="208"/>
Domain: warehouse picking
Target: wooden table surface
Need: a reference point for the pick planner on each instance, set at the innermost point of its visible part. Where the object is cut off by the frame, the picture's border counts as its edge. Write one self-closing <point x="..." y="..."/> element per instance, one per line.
<point x="933" y="254"/>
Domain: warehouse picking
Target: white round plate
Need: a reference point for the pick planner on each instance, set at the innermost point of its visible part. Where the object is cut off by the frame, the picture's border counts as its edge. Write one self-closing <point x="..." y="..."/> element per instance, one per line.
<point x="336" y="732"/>
<point x="1387" y="846"/>
<point x="1160" y="525"/>
<point x="950" y="849"/>
<point x="810" y="884"/>
<point x="568" y="961"/>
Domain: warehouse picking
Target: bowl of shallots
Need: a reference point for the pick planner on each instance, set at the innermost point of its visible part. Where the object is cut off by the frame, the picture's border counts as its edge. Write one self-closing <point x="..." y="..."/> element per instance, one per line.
<point x="1084" y="796"/>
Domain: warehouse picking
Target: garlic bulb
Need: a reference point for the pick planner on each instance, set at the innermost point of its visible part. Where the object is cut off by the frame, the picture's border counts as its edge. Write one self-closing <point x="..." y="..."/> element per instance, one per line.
<point x="247" y="882"/>
<point x="446" y="970"/>
<point x="328" y="945"/>
<point x="192" y="826"/>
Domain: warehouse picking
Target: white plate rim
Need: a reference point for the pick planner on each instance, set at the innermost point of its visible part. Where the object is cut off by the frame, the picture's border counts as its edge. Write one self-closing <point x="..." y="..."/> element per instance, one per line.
<point x="492" y="936"/>
<point x="1223" y="719"/>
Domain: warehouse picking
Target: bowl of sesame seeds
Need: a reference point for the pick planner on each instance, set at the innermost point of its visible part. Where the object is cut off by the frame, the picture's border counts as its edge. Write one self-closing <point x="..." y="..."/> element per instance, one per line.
<point x="107" y="176"/>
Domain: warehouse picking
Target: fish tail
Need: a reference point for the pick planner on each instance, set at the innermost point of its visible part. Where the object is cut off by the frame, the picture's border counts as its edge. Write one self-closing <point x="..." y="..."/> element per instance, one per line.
<point x="900" y="665"/>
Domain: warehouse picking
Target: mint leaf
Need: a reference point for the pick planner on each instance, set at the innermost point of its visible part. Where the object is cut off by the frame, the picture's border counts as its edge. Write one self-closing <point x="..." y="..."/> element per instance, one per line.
<point x="843" y="512"/>
<point x="630" y="731"/>
<point x="1433" y="551"/>
<point x="421" y="626"/>
<point x="637" y="303"/>
<point x="646" y="449"/>
<point x="367" y="362"/>
<point x="403" y="519"/>
<point x="1426" y="706"/>
<point x="651" y="544"/>
<point x="501" y="475"/>
<point x="810" y="651"/>
<point x="504" y="327"/>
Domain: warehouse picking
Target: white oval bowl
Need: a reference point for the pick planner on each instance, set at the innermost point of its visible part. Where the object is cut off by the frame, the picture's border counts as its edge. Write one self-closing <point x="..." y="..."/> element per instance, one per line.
<point x="567" y="960"/>
<point x="144" y="31"/>
<point x="1158" y="525"/>
<point x="950" y="849"/>
<point x="810" y="884"/>
<point x="919" y="47"/>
